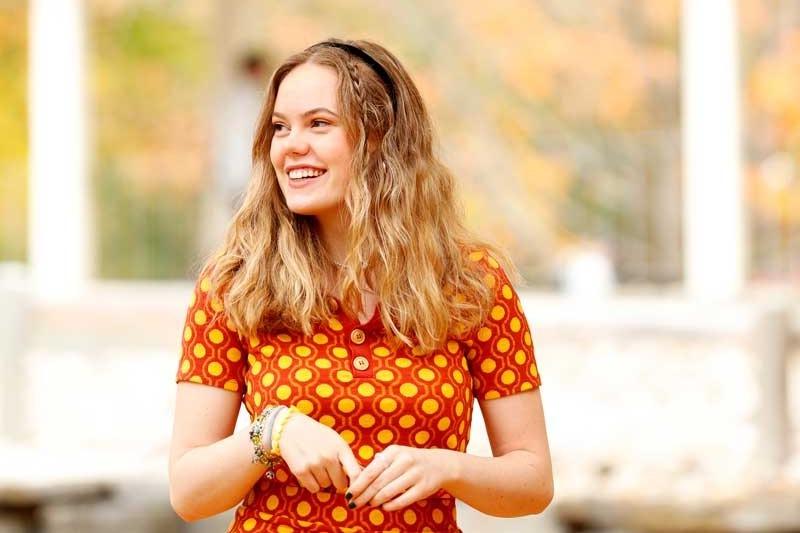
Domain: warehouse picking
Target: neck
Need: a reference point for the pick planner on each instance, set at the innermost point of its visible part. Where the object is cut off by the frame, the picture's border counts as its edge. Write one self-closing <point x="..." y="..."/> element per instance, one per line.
<point x="333" y="232"/>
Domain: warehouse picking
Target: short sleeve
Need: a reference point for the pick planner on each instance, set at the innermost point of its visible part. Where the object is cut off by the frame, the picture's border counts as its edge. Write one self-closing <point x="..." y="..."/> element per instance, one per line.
<point x="500" y="353"/>
<point x="211" y="349"/>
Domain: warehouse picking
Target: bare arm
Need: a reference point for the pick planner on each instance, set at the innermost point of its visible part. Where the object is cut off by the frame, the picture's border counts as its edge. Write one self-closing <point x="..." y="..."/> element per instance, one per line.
<point x="518" y="480"/>
<point x="209" y="467"/>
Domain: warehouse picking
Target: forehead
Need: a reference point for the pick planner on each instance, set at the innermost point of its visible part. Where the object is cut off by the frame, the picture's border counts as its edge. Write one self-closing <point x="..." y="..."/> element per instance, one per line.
<point x="305" y="87"/>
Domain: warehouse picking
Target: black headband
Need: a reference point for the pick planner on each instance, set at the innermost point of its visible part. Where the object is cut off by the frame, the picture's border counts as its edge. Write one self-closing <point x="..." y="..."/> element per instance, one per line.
<point x="369" y="60"/>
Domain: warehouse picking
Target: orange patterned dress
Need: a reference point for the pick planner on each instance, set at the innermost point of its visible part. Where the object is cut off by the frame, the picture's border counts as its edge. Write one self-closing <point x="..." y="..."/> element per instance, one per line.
<point x="346" y="377"/>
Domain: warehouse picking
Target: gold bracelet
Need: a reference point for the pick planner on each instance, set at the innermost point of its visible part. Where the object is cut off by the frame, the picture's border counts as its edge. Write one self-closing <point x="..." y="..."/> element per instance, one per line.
<point x="280" y="423"/>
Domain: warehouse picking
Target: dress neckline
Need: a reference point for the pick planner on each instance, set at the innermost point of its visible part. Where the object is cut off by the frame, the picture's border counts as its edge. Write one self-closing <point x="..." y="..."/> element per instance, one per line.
<point x="371" y="322"/>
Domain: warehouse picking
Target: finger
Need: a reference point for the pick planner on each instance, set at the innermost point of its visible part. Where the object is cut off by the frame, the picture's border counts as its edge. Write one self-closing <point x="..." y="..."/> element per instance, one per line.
<point x="393" y="488"/>
<point x="349" y="463"/>
<point x="413" y="494"/>
<point x="308" y="482"/>
<point x="368" y="475"/>
<point x="389" y="474"/>
<point x="338" y="477"/>
<point x="320" y="474"/>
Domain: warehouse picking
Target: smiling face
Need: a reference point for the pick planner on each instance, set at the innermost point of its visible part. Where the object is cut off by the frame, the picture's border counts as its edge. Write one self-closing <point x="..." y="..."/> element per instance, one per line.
<point x="310" y="150"/>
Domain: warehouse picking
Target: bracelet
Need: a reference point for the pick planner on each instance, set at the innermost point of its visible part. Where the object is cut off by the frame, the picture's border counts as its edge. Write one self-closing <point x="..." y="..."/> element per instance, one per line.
<point x="256" y="432"/>
<point x="271" y="423"/>
<point x="280" y="423"/>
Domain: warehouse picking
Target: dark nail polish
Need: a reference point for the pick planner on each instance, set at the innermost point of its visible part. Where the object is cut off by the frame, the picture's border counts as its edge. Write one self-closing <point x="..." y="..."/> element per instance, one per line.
<point x="348" y="495"/>
<point x="352" y="505"/>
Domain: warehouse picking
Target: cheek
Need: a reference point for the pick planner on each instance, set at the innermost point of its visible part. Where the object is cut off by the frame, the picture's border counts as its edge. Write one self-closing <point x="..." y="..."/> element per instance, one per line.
<point x="338" y="149"/>
<point x="275" y="154"/>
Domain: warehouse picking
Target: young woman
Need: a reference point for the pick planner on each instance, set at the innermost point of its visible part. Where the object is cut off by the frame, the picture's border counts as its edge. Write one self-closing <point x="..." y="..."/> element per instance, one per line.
<point x="357" y="319"/>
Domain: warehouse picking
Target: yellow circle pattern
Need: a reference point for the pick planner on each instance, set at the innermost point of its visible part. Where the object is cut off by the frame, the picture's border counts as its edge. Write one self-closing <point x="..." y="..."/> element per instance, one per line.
<point x="366" y="421"/>
<point x="215" y="369"/>
<point x="215" y="336"/>
<point x="346" y="405"/>
<point x="324" y="390"/>
<point x="385" y="436"/>
<point x="401" y="395"/>
<point x="409" y="390"/>
<point x="407" y="421"/>
<point x="305" y="406"/>
<point x="366" y="389"/>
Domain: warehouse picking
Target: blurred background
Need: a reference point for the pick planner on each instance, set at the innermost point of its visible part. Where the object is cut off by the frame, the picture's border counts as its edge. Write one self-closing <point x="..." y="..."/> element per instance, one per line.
<point x="639" y="159"/>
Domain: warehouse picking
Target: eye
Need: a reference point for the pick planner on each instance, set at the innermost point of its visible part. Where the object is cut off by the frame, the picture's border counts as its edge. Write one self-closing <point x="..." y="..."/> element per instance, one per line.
<point x="319" y="121"/>
<point x="277" y="126"/>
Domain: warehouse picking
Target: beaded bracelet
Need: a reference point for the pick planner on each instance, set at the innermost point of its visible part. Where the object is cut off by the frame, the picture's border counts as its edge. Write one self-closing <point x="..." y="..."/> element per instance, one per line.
<point x="280" y="423"/>
<point x="271" y="424"/>
<point x="260" y="455"/>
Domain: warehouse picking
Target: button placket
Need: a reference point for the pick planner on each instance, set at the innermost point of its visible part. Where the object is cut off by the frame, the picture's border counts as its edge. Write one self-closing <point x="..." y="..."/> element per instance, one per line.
<point x="359" y="340"/>
<point x="360" y="363"/>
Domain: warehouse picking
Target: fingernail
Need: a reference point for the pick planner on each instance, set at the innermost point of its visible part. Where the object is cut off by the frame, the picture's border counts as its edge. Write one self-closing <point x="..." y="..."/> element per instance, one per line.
<point x="348" y="495"/>
<point x="352" y="505"/>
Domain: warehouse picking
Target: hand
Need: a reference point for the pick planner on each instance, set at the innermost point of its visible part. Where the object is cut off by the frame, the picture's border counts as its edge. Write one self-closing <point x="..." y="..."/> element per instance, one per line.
<point x="403" y="475"/>
<point x="317" y="455"/>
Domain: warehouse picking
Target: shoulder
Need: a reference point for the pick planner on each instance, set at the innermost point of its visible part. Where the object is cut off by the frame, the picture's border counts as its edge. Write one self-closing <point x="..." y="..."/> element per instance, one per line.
<point x="493" y="263"/>
<point x="206" y="303"/>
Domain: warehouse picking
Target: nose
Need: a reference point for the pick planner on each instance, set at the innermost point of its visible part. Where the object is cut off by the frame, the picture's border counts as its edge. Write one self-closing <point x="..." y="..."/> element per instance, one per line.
<point x="297" y="143"/>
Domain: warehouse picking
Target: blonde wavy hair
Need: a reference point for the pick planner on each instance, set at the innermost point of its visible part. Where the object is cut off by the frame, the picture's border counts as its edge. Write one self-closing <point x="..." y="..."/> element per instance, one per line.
<point x="407" y="239"/>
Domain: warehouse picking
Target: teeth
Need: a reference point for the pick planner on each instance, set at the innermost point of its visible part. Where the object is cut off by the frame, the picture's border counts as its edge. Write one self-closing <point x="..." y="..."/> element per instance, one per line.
<point x="304" y="173"/>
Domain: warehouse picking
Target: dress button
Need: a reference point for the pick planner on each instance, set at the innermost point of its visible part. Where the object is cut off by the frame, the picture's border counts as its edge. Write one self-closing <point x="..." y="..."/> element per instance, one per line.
<point x="361" y="363"/>
<point x="357" y="336"/>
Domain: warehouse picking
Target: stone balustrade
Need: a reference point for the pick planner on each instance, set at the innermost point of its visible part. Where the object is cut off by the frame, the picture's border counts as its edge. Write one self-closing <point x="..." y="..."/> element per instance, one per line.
<point x="651" y="403"/>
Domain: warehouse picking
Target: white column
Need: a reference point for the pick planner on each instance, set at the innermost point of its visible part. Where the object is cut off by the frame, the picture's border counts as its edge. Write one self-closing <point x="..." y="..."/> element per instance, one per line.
<point x="715" y="242"/>
<point x="59" y="247"/>
<point x="15" y="326"/>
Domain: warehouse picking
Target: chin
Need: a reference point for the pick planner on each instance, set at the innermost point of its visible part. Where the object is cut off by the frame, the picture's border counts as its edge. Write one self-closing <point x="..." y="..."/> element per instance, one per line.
<point x="307" y="209"/>
<point x="315" y="210"/>
<point x="301" y="209"/>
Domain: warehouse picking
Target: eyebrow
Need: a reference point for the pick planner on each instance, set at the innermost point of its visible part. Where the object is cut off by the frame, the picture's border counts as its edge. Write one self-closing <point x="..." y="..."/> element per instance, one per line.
<point x="307" y="113"/>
